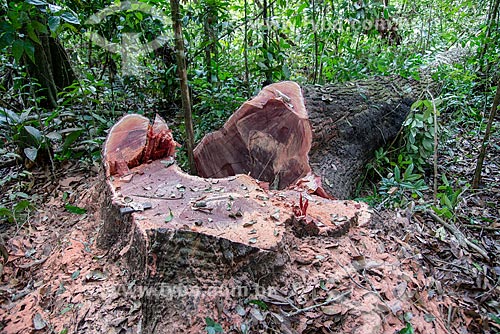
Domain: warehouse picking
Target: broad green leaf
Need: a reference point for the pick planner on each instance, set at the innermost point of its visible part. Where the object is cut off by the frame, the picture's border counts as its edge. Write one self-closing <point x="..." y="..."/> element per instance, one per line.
<point x="408" y="171"/>
<point x="29" y="48"/>
<point x="22" y="205"/>
<point x="9" y="115"/>
<point x="55" y="136"/>
<point x="54" y="8"/>
<point x="212" y="326"/>
<point x="397" y="173"/>
<point x="169" y="217"/>
<point x="494" y="317"/>
<point x="17" y="49"/>
<point x="54" y="22"/>
<point x="416" y="104"/>
<point x="70" y="17"/>
<point x="34" y="132"/>
<point x="31" y="153"/>
<point x="75" y="209"/>
<point x="428" y="104"/>
<point x="428" y="144"/>
<point x="408" y="329"/>
<point x="36" y="2"/>
<point x="6" y="39"/>
<point x="75" y="274"/>
<point x="70" y="139"/>
<point x="6" y="213"/>
<point x="427" y="113"/>
<point x="259" y="303"/>
<point x="32" y="34"/>
<point x="40" y="27"/>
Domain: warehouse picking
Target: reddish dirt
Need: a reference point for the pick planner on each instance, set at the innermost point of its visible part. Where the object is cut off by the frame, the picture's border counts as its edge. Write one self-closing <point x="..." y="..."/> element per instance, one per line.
<point x="364" y="282"/>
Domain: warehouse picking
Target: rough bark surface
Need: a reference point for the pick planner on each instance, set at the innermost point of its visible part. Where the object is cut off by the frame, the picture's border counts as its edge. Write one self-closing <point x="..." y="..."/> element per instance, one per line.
<point x="350" y="121"/>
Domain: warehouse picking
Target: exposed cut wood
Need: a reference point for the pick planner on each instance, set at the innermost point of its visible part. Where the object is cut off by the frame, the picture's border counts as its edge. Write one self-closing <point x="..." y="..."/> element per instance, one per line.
<point x="135" y="141"/>
<point x="274" y="138"/>
<point x="333" y="130"/>
<point x="268" y="137"/>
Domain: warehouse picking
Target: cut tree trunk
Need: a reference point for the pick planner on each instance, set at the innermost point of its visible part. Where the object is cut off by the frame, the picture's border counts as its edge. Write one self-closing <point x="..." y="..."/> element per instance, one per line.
<point x="285" y="131"/>
<point x="174" y="228"/>
<point x="348" y="122"/>
<point x="268" y="138"/>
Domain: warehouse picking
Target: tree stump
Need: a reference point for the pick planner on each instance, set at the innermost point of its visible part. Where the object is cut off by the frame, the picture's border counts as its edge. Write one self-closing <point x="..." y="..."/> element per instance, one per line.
<point x="174" y="228"/>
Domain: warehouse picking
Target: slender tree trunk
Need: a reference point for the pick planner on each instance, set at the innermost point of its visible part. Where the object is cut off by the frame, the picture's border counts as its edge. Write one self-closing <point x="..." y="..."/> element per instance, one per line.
<point x="491" y="22"/>
<point x="484" y="145"/>
<point x="182" y="71"/>
<point x="265" y="43"/>
<point x="245" y="52"/>
<point x="209" y="22"/>
<point x="315" y="34"/>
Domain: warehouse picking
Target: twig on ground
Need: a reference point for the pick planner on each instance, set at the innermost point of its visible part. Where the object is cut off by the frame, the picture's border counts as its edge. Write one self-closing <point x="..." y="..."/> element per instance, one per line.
<point x="480" y="227"/>
<point x="326" y="302"/>
<point x="462" y="239"/>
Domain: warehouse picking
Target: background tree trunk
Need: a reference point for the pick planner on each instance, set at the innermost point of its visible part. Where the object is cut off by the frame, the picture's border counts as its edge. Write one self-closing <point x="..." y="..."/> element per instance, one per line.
<point x="52" y="69"/>
<point x="484" y="145"/>
<point x="181" y="67"/>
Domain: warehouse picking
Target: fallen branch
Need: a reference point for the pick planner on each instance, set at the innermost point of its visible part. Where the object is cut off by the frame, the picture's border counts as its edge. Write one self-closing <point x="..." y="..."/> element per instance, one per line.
<point x="480" y="227"/>
<point x="462" y="239"/>
<point x="326" y="302"/>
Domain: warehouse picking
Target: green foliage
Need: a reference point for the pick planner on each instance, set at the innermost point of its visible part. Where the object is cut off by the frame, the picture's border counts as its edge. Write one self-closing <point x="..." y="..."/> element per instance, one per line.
<point x="262" y="305"/>
<point x="212" y="327"/>
<point x="419" y="132"/>
<point x="17" y="213"/>
<point x="75" y="209"/>
<point x="448" y="199"/>
<point x="398" y="189"/>
<point x="408" y="329"/>
<point x="26" y="21"/>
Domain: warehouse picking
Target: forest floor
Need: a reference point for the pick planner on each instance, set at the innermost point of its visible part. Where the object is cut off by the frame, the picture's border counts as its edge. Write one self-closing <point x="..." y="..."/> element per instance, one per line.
<point x="404" y="271"/>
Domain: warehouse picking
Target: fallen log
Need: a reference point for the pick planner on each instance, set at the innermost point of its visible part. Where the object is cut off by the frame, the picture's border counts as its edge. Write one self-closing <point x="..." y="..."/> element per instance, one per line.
<point x="351" y="121"/>
<point x="274" y="138"/>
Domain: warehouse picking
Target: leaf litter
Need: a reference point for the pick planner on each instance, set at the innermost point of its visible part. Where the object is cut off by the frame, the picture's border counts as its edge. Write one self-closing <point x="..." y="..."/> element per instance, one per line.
<point x="397" y="274"/>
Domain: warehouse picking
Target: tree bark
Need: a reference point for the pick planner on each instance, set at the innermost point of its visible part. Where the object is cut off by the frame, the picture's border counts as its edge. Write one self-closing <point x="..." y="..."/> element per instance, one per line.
<point x="52" y="69"/>
<point x="350" y="121"/>
<point x="176" y="229"/>
<point x="182" y="71"/>
<point x="484" y="145"/>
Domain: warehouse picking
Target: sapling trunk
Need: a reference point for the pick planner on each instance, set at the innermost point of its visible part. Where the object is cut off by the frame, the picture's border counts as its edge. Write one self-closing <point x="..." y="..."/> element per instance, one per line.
<point x="484" y="145"/>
